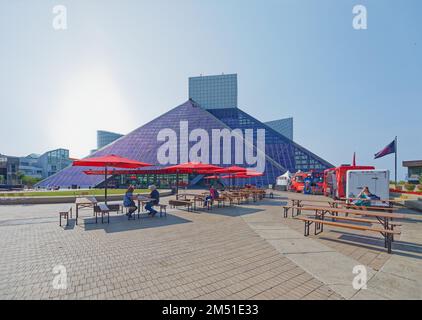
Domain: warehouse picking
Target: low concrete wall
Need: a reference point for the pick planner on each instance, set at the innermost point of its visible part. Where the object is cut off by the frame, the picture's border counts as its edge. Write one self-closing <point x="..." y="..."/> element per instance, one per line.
<point x="63" y="199"/>
<point x="414" y="204"/>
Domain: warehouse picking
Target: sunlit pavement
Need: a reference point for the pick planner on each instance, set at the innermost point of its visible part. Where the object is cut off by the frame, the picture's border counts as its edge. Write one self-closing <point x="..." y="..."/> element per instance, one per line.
<point x="241" y="252"/>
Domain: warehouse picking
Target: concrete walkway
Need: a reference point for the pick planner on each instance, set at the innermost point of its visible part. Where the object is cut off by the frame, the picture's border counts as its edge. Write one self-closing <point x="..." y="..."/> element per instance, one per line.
<point x="399" y="278"/>
<point x="241" y="252"/>
<point x="322" y="262"/>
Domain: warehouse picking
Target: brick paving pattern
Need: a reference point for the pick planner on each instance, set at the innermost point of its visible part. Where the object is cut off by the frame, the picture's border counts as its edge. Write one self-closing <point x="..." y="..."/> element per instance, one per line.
<point x="207" y="255"/>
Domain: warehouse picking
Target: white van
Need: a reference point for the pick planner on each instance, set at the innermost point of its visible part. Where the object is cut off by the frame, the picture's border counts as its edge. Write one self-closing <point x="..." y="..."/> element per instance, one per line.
<point x="377" y="181"/>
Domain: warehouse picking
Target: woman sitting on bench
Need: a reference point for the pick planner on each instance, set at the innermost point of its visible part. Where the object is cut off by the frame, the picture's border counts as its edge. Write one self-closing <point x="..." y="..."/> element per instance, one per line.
<point x="128" y="201"/>
<point x="155" y="199"/>
<point x="212" y="196"/>
<point x="366" y="197"/>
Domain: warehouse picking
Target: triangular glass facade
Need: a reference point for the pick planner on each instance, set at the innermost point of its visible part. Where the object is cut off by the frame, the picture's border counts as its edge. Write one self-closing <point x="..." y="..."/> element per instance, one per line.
<point x="141" y="144"/>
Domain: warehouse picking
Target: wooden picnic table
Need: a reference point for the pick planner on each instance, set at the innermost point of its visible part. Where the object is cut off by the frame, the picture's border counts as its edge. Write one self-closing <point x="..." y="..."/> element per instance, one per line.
<point x="298" y="203"/>
<point x="231" y="196"/>
<point x="192" y="195"/>
<point x="384" y="218"/>
<point x="389" y="201"/>
<point x="144" y="200"/>
<point x="336" y="203"/>
<point x="102" y="209"/>
<point x="195" y="197"/>
<point x="84" y="202"/>
<point x="357" y="207"/>
<point x="141" y="200"/>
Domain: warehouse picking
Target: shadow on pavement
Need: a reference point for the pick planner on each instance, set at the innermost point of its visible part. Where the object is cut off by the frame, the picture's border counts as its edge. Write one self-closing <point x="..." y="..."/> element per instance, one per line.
<point x="121" y="223"/>
<point x="234" y="211"/>
<point x="402" y="248"/>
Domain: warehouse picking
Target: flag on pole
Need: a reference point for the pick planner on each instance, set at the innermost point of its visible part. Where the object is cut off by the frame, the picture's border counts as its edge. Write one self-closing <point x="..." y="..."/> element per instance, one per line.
<point x="354" y="159"/>
<point x="391" y="148"/>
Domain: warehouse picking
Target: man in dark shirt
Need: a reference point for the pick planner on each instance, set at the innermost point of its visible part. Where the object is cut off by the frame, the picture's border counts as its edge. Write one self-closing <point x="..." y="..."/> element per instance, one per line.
<point x="155" y="199"/>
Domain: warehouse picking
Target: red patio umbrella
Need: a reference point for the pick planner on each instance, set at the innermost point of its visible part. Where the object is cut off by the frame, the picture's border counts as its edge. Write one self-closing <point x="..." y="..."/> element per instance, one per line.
<point x="212" y="177"/>
<point x="190" y="167"/>
<point x="243" y="175"/>
<point x="232" y="169"/>
<point x="249" y="174"/>
<point x="109" y="161"/>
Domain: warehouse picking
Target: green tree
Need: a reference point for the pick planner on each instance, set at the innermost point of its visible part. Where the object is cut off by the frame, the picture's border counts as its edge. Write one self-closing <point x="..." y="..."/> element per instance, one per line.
<point x="28" y="180"/>
<point x="20" y="175"/>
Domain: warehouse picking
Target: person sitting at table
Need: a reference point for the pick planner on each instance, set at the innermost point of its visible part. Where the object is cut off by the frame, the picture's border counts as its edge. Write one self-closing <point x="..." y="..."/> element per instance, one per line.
<point x="366" y="197"/>
<point x="212" y="196"/>
<point x="128" y="201"/>
<point x="155" y="199"/>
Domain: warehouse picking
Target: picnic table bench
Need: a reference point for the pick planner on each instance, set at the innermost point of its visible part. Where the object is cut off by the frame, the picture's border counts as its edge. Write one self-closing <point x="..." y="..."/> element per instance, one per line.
<point x="319" y="223"/>
<point x="242" y="195"/>
<point x="383" y="218"/>
<point x="102" y="209"/>
<point x="65" y="215"/>
<point x="336" y="203"/>
<point x="143" y="200"/>
<point x="231" y="196"/>
<point x="179" y="203"/>
<point x="84" y="202"/>
<point x="201" y="198"/>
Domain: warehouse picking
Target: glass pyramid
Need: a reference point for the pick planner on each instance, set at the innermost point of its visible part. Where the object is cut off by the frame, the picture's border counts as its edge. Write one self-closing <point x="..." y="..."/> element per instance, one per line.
<point x="141" y="144"/>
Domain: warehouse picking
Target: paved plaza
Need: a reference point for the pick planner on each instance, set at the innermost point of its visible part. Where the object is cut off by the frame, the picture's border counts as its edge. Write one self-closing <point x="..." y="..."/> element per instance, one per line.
<point x="241" y="252"/>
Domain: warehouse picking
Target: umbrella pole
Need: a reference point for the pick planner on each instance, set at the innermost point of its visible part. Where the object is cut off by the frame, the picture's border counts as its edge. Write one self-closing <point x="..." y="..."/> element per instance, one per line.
<point x="177" y="183"/>
<point x="105" y="189"/>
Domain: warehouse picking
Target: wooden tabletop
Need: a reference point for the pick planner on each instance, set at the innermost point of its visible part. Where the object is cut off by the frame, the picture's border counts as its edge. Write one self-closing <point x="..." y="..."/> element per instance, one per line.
<point x="364" y="199"/>
<point x="86" y="200"/>
<point x="317" y="200"/>
<point x="346" y="204"/>
<point x="190" y="194"/>
<point x="142" y="198"/>
<point x="357" y="212"/>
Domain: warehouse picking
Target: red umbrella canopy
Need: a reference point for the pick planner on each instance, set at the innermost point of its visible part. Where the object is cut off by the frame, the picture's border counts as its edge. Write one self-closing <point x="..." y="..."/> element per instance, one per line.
<point x="110" y="161"/>
<point x="249" y="174"/>
<point x="232" y="169"/>
<point x="190" y="167"/>
<point x="211" y="177"/>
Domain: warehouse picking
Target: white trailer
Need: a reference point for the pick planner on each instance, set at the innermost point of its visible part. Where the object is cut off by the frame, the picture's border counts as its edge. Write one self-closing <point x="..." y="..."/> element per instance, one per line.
<point x="282" y="182"/>
<point x="377" y="181"/>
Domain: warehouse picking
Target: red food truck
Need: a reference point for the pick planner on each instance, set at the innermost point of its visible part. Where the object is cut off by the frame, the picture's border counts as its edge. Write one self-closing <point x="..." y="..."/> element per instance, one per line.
<point x="297" y="183"/>
<point x="334" y="184"/>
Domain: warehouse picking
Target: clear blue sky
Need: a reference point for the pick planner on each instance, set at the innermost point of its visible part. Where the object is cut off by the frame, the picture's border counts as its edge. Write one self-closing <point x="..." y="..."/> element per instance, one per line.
<point x="122" y="63"/>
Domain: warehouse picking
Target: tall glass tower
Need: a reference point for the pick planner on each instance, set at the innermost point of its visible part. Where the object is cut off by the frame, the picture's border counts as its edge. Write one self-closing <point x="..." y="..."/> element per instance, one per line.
<point x="106" y="137"/>
<point x="214" y="92"/>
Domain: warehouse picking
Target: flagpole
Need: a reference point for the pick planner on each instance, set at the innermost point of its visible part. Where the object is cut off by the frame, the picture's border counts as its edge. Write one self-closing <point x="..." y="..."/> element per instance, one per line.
<point x="395" y="165"/>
